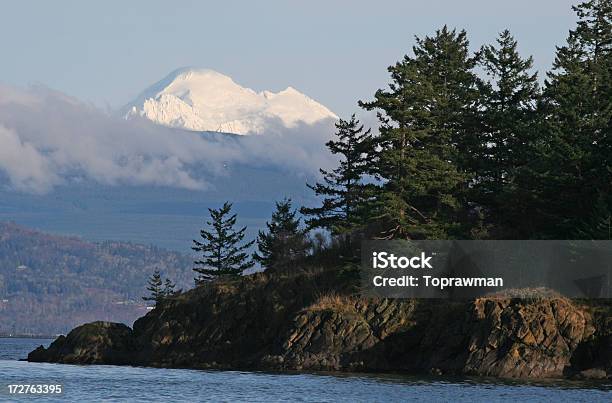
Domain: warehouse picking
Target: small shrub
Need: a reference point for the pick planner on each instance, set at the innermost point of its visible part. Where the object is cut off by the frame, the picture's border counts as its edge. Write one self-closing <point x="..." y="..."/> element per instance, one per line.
<point x="335" y="302"/>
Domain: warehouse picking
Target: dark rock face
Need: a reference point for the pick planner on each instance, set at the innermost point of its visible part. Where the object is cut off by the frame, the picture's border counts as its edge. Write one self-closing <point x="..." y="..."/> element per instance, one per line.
<point x="592" y="359"/>
<point x="92" y="343"/>
<point x="516" y="339"/>
<point x="488" y="337"/>
<point x="261" y="323"/>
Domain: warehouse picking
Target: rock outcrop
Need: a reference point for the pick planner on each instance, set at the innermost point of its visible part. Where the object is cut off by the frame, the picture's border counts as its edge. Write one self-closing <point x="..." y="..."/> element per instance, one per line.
<point x="298" y="323"/>
<point x="517" y="339"/>
<point x="92" y="343"/>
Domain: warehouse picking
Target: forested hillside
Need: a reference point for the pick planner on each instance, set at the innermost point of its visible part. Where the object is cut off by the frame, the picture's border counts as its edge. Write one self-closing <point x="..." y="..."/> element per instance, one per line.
<point x="49" y="284"/>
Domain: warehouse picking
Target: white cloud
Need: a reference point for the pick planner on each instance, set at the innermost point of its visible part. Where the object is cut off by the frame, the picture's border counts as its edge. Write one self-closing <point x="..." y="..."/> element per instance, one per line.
<point x="48" y="138"/>
<point x="26" y="168"/>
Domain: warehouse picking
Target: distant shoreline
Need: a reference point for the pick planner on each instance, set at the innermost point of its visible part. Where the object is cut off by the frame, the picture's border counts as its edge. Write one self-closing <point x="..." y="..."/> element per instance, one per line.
<point x="27" y="336"/>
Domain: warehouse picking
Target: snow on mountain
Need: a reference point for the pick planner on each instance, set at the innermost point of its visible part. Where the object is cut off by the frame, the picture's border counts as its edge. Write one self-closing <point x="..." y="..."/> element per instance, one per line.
<point x="205" y="100"/>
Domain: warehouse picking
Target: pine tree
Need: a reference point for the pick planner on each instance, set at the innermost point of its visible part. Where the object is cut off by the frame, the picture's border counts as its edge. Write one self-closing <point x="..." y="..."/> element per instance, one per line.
<point x="155" y="288"/>
<point x="426" y="135"/>
<point x="577" y="113"/>
<point x="505" y="145"/>
<point x="285" y="242"/>
<point x="343" y="188"/>
<point x="169" y="288"/>
<point x="221" y="251"/>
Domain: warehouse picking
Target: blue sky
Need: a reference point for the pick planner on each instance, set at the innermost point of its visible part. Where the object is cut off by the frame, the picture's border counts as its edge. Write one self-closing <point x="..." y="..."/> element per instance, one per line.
<point x="335" y="51"/>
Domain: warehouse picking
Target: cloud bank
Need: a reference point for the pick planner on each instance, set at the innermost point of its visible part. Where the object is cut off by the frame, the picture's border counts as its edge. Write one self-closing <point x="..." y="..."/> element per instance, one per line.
<point x="49" y="139"/>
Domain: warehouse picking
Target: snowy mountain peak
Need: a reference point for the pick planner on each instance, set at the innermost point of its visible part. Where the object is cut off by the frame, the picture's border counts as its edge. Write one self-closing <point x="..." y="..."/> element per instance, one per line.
<point x="206" y="100"/>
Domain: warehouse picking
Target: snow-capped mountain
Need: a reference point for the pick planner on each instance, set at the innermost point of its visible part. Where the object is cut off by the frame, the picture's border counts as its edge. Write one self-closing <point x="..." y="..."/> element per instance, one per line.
<point x="205" y="100"/>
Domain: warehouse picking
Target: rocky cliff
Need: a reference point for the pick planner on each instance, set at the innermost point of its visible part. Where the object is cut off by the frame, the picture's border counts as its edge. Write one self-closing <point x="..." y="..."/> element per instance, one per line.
<point x="296" y="322"/>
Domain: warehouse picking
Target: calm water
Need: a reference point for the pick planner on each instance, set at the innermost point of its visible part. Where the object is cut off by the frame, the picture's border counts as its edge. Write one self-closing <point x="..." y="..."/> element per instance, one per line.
<point x="117" y="384"/>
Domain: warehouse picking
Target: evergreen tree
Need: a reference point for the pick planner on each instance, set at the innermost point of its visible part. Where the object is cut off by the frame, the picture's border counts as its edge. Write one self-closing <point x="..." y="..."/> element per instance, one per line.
<point x="428" y="119"/>
<point x="285" y="242"/>
<point x="155" y="288"/>
<point x="343" y="189"/>
<point x="169" y="288"/>
<point x="577" y="113"/>
<point x="506" y="137"/>
<point x="221" y="251"/>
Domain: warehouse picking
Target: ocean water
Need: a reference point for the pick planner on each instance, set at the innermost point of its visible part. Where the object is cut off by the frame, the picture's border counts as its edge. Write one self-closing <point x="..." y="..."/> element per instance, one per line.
<point x="134" y="384"/>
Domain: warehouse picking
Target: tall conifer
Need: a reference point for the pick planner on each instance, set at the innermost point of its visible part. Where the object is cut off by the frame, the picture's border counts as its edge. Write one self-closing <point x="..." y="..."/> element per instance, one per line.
<point x="426" y="135"/>
<point x="343" y="189"/>
<point x="221" y="249"/>
<point x="577" y="115"/>
<point x="284" y="243"/>
<point x="506" y="137"/>
<point x="154" y="286"/>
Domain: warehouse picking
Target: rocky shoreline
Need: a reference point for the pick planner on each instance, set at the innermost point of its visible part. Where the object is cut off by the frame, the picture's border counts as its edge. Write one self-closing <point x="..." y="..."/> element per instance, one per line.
<point x="300" y="322"/>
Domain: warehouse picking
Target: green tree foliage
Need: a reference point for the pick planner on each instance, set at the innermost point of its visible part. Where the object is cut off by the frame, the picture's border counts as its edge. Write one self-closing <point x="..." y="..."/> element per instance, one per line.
<point x="506" y="135"/>
<point x="463" y="156"/>
<point x="576" y="114"/>
<point x="222" y="254"/>
<point x="159" y="289"/>
<point x="343" y="189"/>
<point x="169" y="288"/>
<point x="599" y="226"/>
<point x="426" y="135"/>
<point x="155" y="288"/>
<point x="284" y="243"/>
